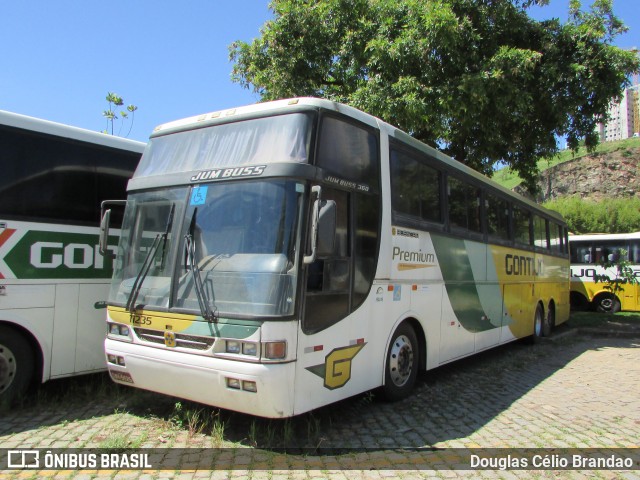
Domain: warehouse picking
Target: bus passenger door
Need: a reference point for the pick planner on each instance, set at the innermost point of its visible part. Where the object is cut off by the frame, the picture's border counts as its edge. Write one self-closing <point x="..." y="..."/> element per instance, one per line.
<point x="337" y="342"/>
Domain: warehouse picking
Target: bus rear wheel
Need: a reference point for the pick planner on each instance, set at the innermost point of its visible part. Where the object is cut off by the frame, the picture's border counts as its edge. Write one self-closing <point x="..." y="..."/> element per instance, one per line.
<point x="16" y="365"/>
<point x="606" y="303"/>
<point x="539" y="321"/>
<point x="401" y="369"/>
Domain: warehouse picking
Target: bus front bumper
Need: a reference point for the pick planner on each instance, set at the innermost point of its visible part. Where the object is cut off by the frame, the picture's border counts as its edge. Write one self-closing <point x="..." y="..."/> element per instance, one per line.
<point x="265" y="390"/>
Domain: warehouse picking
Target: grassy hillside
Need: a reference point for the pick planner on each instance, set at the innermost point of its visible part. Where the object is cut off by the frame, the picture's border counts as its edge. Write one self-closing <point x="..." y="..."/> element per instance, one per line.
<point x="510" y="179"/>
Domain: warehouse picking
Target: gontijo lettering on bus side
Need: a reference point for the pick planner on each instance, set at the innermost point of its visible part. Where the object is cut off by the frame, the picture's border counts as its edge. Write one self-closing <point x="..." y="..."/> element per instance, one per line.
<point x="35" y="254"/>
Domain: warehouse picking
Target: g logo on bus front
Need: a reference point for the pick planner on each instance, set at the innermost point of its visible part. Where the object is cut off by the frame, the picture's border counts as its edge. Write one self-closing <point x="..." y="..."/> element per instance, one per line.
<point x="336" y="370"/>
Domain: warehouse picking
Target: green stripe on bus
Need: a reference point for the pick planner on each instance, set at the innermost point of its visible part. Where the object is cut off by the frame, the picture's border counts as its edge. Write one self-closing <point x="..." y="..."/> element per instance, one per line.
<point x="460" y="283"/>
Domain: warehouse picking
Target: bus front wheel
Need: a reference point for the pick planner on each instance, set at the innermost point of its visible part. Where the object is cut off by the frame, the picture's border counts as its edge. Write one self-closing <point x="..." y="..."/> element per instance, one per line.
<point x="16" y="365"/>
<point x="401" y="367"/>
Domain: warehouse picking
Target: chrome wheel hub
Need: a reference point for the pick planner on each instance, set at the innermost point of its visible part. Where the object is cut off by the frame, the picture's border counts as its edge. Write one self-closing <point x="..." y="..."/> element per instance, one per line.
<point x="7" y="368"/>
<point x="606" y="304"/>
<point x="401" y="360"/>
<point x="538" y="325"/>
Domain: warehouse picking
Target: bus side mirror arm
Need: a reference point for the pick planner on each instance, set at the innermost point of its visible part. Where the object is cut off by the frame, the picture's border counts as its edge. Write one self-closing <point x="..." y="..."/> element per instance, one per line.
<point x="104" y="234"/>
<point x="105" y="218"/>
<point x="323" y="227"/>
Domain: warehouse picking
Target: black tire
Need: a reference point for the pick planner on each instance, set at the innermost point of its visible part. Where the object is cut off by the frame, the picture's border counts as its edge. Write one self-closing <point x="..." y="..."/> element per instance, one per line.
<point x="539" y="321"/>
<point x="606" y="303"/>
<point x="549" y="321"/>
<point x="401" y="366"/>
<point x="17" y="365"/>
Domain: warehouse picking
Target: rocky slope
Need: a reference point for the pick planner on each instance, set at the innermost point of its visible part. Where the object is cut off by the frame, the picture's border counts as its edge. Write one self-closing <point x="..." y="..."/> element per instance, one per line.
<point x="599" y="176"/>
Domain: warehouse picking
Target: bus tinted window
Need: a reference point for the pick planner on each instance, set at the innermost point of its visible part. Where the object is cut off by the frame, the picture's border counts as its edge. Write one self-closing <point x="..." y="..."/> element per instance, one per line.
<point x="415" y="187"/>
<point x="497" y="211"/>
<point x="464" y="205"/>
<point x="50" y="179"/>
<point x="348" y="151"/>
<point x="581" y="252"/>
<point x="521" y="226"/>
<point x="611" y="251"/>
<point x="634" y="251"/>
<point x="555" y="237"/>
<point x="540" y="232"/>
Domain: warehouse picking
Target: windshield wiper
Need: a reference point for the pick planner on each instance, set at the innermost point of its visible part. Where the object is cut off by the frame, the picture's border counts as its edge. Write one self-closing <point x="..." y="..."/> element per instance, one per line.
<point x="203" y="301"/>
<point x="148" y="261"/>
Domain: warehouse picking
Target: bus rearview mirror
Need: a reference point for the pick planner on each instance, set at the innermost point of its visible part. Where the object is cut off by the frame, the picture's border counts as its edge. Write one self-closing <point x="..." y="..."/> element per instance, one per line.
<point x="326" y="229"/>
<point x="104" y="235"/>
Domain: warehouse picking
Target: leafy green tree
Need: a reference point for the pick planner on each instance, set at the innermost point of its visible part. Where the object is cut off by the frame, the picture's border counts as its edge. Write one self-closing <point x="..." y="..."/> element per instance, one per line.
<point x="480" y="79"/>
<point x="115" y="100"/>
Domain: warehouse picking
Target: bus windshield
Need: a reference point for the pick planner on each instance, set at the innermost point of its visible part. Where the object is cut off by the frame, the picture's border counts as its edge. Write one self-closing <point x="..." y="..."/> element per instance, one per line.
<point x="227" y="248"/>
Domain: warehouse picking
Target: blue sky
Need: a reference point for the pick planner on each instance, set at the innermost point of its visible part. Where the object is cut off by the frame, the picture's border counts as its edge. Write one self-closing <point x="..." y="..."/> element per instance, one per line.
<point x="170" y="58"/>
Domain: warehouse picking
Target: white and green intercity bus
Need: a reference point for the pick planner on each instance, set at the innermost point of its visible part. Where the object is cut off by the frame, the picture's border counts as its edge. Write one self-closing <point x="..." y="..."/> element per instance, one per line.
<point x="53" y="280"/>
<point x="283" y="256"/>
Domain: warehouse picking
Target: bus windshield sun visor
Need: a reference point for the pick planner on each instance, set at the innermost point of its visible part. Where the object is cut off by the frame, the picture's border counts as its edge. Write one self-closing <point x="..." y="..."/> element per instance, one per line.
<point x="148" y="261"/>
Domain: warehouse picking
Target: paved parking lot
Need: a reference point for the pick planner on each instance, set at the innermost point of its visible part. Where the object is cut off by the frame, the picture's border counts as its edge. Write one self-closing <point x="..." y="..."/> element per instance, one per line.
<point x="573" y="392"/>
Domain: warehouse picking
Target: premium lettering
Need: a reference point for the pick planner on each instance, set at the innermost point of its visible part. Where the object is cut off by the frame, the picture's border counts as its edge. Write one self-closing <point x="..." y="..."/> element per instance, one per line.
<point x="408" y="256"/>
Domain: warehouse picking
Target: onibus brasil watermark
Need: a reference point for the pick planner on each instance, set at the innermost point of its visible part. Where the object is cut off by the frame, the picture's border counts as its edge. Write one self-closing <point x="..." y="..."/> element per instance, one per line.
<point x="418" y="458"/>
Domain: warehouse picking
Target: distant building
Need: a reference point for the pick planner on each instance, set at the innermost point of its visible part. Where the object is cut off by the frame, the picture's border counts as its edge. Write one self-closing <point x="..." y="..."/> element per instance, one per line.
<point x="624" y="121"/>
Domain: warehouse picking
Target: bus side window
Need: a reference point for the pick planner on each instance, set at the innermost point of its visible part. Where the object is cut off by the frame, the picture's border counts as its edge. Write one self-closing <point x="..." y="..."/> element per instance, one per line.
<point x="581" y="253"/>
<point x="497" y="212"/>
<point x="521" y="226"/>
<point x="612" y="252"/>
<point x="540" y="232"/>
<point x="348" y="151"/>
<point x="464" y="205"/>
<point x="634" y="251"/>
<point x="415" y="188"/>
<point x="554" y="237"/>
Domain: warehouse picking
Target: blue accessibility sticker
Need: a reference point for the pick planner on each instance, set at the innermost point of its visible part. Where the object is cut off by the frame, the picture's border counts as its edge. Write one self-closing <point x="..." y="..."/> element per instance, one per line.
<point x="199" y="195"/>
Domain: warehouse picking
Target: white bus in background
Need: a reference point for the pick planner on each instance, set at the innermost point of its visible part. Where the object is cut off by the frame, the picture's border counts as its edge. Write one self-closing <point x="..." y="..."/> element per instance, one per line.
<point x="279" y="257"/>
<point x="588" y="253"/>
<point x="53" y="280"/>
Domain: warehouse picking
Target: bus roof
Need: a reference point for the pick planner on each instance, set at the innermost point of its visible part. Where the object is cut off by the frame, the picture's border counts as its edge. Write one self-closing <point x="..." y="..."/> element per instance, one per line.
<point x="61" y="130"/>
<point x="276" y="106"/>
<point x="604" y="236"/>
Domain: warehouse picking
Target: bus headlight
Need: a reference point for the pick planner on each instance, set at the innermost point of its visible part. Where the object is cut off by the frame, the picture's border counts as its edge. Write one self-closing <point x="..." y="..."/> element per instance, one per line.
<point x="250" y="349"/>
<point x="232" y="346"/>
<point x="119" y="331"/>
<point x="238" y="347"/>
<point x="270" y="352"/>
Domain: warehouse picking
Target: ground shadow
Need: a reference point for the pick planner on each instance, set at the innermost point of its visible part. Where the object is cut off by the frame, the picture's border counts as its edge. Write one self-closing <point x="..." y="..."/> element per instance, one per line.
<point x="450" y="402"/>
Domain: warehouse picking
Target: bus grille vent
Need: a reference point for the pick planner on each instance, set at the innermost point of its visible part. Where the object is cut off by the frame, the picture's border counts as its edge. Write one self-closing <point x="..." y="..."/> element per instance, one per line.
<point x="193" y="342"/>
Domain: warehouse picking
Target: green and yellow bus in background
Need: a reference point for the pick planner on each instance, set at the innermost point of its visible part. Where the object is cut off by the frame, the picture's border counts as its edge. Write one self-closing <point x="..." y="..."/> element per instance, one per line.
<point x="589" y="253"/>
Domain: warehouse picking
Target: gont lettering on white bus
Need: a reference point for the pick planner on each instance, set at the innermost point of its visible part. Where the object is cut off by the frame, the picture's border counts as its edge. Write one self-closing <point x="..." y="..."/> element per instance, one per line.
<point x="72" y="255"/>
